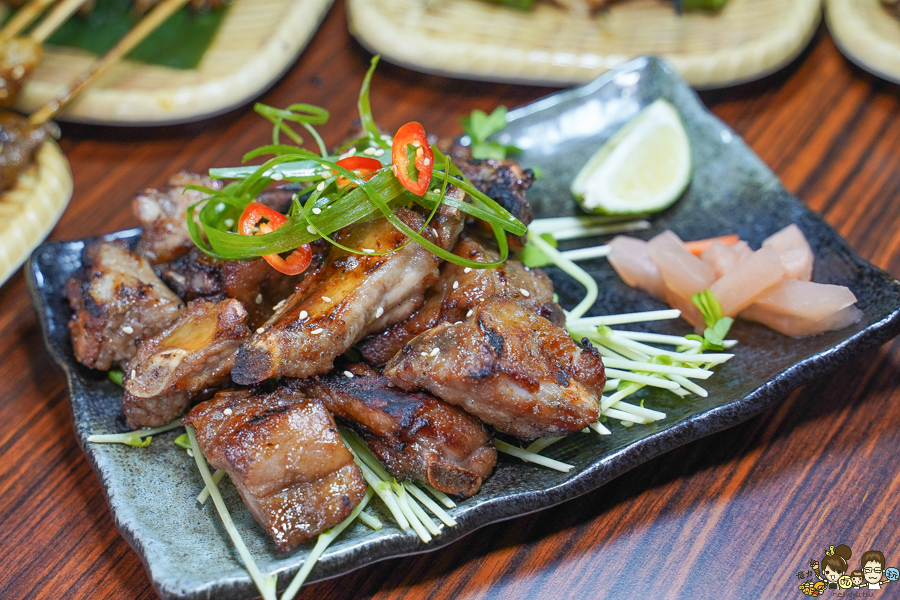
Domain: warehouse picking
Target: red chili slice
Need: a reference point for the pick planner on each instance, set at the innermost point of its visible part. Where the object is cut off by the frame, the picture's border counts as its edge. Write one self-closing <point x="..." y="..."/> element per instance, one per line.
<point x="413" y="158"/>
<point x="297" y="261"/>
<point x="362" y="165"/>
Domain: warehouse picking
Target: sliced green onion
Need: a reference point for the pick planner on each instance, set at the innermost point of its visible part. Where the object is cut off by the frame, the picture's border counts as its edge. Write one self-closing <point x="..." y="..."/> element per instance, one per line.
<point x="134" y="438"/>
<point x="265" y="585"/>
<point x="365" y="107"/>
<point x="216" y="477"/>
<point x="532" y="457"/>
<point x="324" y="540"/>
<point x="430" y="504"/>
<point x="369" y="520"/>
<point x="579" y="274"/>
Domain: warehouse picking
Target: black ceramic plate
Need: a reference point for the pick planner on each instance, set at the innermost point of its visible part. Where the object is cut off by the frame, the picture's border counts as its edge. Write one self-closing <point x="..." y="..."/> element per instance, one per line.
<point x="187" y="553"/>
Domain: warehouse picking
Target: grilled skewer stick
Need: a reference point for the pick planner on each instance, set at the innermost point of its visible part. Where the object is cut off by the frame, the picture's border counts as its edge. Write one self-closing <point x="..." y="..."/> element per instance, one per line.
<point x="101" y="66"/>
<point x="20" y="56"/>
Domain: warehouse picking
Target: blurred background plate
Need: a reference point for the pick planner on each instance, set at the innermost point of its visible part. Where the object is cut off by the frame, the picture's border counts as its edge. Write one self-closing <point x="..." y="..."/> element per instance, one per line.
<point x="477" y="40"/>
<point x="30" y="210"/>
<point x="867" y="35"/>
<point x="257" y="42"/>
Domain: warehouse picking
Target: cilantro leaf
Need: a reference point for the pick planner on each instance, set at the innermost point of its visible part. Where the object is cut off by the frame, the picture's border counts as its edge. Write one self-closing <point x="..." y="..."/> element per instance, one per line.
<point x="479" y="126"/>
<point x="533" y="256"/>
<point x="182" y="441"/>
<point x="717" y="325"/>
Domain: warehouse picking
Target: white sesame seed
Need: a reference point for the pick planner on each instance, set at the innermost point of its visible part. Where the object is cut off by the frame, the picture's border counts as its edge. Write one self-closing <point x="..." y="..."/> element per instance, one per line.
<point x="386" y="137"/>
<point x="470" y="313"/>
<point x="458" y="323"/>
<point x="369" y="151"/>
<point x="310" y="229"/>
<point x="416" y="144"/>
<point x="280" y="305"/>
<point x="426" y="162"/>
<point x="227" y="411"/>
<point x="352" y="151"/>
<point x="455" y="284"/>
<point x="303" y="314"/>
<point x="317" y="331"/>
<point x="276" y="176"/>
<point x="379" y="152"/>
<point x="368" y="250"/>
<point x="128" y="329"/>
<point x="467" y="270"/>
<point x="133" y="373"/>
<point x="390" y="384"/>
<point x="326" y="299"/>
<point x="435" y="352"/>
<point x="190" y="453"/>
<point x="260" y="329"/>
<point x="317" y="211"/>
<point x="424" y="353"/>
<point x="525" y="292"/>
<point x="348" y="374"/>
<point x="259" y="298"/>
<point x="321" y="186"/>
<point x="379" y="312"/>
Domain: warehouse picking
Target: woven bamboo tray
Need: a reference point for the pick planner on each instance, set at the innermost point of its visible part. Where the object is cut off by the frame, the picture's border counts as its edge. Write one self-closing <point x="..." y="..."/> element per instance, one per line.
<point x="477" y="40"/>
<point x="257" y="41"/>
<point x="30" y="210"/>
<point x="867" y="34"/>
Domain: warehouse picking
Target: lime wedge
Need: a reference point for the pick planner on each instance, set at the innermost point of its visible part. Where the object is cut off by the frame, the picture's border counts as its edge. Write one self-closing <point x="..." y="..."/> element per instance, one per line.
<point x="643" y="168"/>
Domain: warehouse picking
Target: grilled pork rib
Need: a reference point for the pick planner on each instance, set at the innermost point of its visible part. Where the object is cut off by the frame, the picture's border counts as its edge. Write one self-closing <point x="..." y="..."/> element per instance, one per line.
<point x="340" y="300"/>
<point x="414" y="434"/>
<point x="285" y="457"/>
<point x="117" y="300"/>
<point x="193" y="354"/>
<point x="162" y="215"/>
<point x="457" y="291"/>
<point x="255" y="283"/>
<point x="509" y="367"/>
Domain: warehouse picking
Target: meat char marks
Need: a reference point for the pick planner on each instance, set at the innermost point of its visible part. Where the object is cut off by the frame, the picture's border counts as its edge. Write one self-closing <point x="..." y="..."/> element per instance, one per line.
<point x="255" y="283"/>
<point x="509" y="367"/>
<point x="192" y="355"/>
<point x="162" y="211"/>
<point x="117" y="300"/>
<point x="340" y="300"/>
<point x="162" y="214"/>
<point x="458" y="291"/>
<point x="285" y="457"/>
<point x="415" y="435"/>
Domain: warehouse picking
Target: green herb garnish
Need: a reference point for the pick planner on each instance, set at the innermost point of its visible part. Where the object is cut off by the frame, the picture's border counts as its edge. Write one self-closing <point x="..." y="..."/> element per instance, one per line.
<point x="321" y="207"/>
<point x="717" y="325"/>
<point x="479" y="126"/>
<point x="116" y="376"/>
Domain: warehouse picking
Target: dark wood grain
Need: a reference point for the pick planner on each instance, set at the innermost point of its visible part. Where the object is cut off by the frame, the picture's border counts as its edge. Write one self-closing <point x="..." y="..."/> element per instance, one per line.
<point x="735" y="515"/>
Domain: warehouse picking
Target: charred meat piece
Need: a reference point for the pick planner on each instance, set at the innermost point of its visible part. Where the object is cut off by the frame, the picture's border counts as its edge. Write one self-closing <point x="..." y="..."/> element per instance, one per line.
<point x="193" y="354"/>
<point x="19" y="142"/>
<point x="162" y="213"/>
<point x="509" y="367"/>
<point x="118" y="300"/>
<point x="503" y="181"/>
<point x="18" y="58"/>
<point x="339" y="301"/>
<point x="285" y="457"/>
<point x="255" y="283"/>
<point x="416" y="435"/>
<point x="458" y="291"/>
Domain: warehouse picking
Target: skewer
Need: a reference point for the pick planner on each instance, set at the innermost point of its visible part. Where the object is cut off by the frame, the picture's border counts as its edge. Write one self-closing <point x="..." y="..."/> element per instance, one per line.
<point x="53" y="21"/>
<point x="101" y="66"/>
<point x="23" y="18"/>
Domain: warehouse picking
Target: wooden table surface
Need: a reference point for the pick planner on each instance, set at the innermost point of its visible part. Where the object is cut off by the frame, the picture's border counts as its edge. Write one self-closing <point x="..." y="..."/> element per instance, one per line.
<point x="735" y="515"/>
